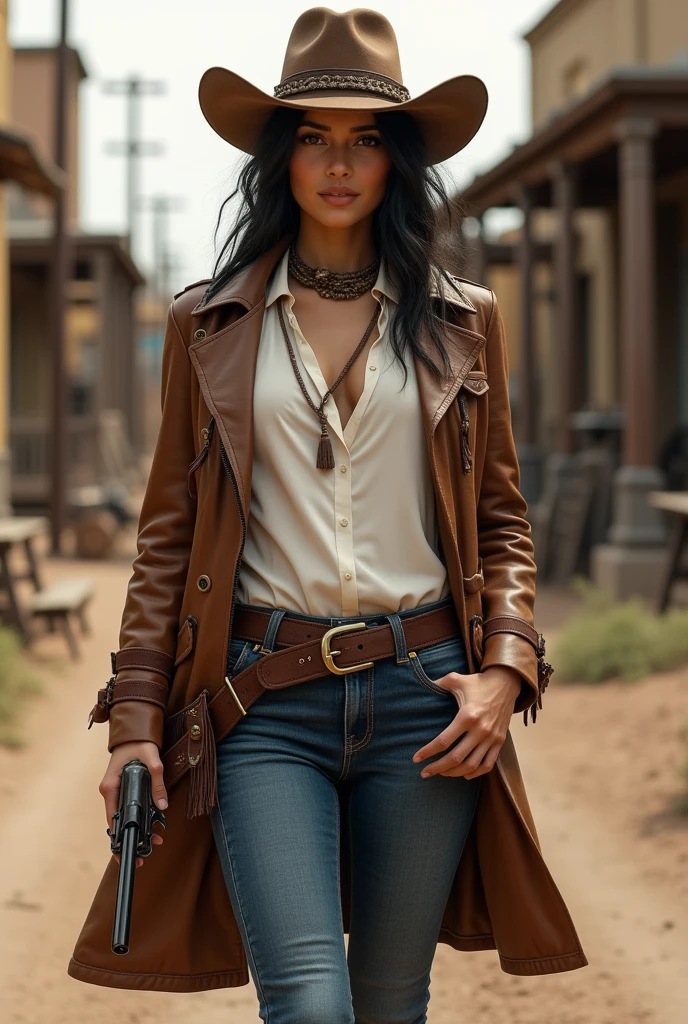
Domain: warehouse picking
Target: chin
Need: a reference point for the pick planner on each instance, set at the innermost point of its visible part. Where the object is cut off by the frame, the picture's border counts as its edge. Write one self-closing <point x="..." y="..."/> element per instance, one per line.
<point x="342" y="218"/>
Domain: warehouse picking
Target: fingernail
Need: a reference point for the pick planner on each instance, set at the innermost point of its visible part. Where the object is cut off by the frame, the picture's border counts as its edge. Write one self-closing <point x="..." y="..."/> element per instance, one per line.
<point x="162" y="804"/>
<point x="424" y="774"/>
<point x="417" y="757"/>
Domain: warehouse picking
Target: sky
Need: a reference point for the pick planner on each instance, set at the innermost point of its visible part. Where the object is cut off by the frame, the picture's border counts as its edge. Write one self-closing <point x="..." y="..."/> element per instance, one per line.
<point x="176" y="40"/>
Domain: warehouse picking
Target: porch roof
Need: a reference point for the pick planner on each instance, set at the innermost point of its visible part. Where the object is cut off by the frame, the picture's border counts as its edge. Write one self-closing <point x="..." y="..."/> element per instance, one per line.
<point x="585" y="133"/>
<point x="19" y="161"/>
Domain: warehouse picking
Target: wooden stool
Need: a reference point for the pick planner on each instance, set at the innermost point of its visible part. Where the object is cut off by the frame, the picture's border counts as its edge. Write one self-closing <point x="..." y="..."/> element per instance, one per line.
<point x="60" y="600"/>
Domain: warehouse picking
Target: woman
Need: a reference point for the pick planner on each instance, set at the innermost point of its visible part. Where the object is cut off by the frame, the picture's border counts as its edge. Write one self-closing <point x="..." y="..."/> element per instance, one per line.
<point x="336" y="576"/>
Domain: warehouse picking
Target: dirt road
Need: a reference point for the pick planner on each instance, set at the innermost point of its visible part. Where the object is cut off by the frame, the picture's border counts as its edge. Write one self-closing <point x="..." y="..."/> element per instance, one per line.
<point x="601" y="767"/>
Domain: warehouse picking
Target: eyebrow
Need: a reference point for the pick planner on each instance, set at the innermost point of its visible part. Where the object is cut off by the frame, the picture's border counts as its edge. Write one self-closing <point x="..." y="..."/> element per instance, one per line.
<point x="326" y="128"/>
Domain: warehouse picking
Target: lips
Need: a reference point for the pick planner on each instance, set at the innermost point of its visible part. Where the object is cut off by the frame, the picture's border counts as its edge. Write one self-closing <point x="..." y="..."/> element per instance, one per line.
<point x="338" y="190"/>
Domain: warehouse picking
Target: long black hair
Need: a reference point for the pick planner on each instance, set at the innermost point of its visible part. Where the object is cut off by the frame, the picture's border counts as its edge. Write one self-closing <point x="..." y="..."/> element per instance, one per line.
<point x="406" y="224"/>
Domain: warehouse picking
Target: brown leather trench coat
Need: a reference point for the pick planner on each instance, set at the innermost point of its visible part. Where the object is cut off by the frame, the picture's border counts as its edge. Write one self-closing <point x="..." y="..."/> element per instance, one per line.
<point x="184" y="937"/>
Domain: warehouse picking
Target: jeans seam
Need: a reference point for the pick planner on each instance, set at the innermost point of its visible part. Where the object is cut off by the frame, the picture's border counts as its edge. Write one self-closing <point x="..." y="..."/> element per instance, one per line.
<point x="241" y="914"/>
<point x="370" y="714"/>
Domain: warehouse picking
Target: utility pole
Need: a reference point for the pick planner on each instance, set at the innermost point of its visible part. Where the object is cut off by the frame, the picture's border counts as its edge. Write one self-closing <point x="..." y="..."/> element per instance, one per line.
<point x="133" y="147"/>
<point x="161" y="207"/>
<point x="60" y="270"/>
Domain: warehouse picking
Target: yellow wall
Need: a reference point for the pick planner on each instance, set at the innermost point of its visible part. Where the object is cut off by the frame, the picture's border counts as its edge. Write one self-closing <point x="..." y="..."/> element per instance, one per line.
<point x="579" y="41"/>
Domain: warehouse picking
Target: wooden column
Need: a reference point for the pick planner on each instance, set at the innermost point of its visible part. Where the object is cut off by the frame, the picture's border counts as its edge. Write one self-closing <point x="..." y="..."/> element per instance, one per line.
<point x="566" y="319"/>
<point x="637" y="286"/>
<point x="526" y="424"/>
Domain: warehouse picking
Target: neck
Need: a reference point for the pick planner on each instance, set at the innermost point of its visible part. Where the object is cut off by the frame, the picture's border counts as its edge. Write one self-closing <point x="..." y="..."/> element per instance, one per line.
<point x="339" y="249"/>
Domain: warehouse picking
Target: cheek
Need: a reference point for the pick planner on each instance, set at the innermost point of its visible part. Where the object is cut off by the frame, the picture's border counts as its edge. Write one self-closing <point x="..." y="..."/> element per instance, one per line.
<point x="373" y="173"/>
<point x="303" y="173"/>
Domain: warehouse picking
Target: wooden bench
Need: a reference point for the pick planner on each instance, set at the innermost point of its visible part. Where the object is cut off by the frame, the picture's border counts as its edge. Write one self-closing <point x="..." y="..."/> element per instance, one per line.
<point x="60" y="600"/>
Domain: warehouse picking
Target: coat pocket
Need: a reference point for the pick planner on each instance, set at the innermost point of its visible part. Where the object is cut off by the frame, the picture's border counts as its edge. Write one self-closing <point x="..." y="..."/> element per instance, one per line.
<point x="186" y="640"/>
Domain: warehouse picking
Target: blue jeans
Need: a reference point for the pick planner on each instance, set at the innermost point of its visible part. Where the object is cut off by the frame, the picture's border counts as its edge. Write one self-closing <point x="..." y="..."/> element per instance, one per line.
<point x="277" y="829"/>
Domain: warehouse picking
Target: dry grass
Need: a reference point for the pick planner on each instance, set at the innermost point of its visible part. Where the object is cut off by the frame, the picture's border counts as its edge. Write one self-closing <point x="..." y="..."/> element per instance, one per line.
<point x="18" y="683"/>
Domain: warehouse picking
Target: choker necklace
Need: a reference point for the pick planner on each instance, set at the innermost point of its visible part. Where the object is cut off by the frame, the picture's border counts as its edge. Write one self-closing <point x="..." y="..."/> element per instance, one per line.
<point x="333" y="284"/>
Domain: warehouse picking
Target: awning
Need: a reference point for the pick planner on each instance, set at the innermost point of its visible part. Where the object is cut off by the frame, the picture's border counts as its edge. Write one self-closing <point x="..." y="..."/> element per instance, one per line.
<point x="20" y="162"/>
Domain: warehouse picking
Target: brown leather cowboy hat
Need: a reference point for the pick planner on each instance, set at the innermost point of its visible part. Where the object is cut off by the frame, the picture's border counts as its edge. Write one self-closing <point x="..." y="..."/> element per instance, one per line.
<point x="344" y="61"/>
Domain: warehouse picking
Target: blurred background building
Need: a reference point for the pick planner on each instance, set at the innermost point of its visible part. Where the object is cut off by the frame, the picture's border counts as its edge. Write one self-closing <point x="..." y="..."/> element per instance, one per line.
<point x="593" y="284"/>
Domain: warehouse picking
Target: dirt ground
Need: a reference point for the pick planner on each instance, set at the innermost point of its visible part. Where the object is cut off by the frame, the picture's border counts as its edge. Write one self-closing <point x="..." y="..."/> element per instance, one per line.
<point x="602" y="769"/>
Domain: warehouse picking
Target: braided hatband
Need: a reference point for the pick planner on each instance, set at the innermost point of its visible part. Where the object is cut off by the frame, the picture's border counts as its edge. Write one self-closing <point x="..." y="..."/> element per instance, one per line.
<point x="311" y="81"/>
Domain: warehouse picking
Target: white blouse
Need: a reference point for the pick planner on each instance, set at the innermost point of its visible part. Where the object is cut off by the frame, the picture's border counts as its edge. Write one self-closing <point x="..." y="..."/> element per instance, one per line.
<point x="361" y="538"/>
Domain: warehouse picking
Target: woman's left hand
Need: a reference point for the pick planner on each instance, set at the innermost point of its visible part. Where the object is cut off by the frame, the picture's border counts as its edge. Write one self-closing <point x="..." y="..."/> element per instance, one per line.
<point x="486" y="703"/>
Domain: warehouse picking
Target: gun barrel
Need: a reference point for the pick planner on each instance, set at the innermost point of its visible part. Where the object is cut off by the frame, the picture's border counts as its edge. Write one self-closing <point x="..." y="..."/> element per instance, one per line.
<point x="125" y="891"/>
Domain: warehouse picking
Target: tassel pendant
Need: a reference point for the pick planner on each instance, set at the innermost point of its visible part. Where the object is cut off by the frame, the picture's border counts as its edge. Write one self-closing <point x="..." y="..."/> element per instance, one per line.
<point x="202" y="792"/>
<point x="194" y="723"/>
<point x="465" y="441"/>
<point x="325" y="459"/>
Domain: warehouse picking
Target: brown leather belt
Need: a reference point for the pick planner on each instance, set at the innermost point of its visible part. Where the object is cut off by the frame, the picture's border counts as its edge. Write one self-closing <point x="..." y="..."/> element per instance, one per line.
<point x="305" y="650"/>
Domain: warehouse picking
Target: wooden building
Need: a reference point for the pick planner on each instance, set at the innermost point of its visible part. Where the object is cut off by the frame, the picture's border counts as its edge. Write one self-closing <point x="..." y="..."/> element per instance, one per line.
<point x="596" y="283"/>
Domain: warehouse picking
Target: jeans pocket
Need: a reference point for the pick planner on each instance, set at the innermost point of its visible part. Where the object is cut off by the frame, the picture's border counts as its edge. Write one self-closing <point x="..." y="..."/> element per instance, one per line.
<point x="239" y="651"/>
<point x="431" y="663"/>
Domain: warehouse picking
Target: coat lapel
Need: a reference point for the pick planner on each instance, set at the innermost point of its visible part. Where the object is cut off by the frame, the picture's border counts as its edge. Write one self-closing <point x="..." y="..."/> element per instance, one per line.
<point x="225" y="363"/>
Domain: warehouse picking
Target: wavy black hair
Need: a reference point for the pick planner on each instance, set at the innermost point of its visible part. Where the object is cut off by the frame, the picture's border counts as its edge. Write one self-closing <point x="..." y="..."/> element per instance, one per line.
<point x="406" y="224"/>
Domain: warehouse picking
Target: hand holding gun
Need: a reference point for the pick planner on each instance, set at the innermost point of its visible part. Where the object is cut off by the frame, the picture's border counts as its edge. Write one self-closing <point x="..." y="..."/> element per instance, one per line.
<point x="131" y="836"/>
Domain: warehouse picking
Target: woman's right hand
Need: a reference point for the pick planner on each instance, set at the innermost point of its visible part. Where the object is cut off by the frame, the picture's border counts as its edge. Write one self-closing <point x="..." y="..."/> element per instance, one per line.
<point x="110" y="784"/>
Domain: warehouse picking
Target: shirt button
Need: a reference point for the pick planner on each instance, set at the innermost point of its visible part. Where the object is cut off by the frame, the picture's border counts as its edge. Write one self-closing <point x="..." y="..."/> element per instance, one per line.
<point x="344" y="522"/>
<point x="347" y="575"/>
<point x="343" y="469"/>
<point x="372" y="367"/>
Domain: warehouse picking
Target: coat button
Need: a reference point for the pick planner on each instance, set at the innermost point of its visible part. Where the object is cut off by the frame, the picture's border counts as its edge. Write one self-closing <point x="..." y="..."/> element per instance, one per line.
<point x="204" y="583"/>
<point x="199" y="335"/>
<point x="204" y="435"/>
<point x="195" y="732"/>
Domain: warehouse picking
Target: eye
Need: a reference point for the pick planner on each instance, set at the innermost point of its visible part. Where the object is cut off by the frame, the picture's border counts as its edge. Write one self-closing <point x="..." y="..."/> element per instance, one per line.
<point x="310" y="139"/>
<point x="369" y="140"/>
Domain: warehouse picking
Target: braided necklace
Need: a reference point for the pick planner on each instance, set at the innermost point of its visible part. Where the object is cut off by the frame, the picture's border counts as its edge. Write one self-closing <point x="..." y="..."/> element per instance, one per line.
<point x="333" y="284"/>
<point x="325" y="456"/>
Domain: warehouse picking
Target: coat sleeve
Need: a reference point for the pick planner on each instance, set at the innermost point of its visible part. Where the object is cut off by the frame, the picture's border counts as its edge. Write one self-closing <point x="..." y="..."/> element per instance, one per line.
<point x="165" y="532"/>
<point x="504" y="533"/>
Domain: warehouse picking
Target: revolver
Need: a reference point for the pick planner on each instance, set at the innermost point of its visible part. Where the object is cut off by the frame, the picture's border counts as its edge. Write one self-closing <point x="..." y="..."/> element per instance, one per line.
<point x="131" y="837"/>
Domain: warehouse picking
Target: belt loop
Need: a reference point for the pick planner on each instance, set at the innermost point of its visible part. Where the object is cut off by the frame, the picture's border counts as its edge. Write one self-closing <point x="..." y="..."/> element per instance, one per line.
<point x="276" y="617"/>
<point x="399" y="638"/>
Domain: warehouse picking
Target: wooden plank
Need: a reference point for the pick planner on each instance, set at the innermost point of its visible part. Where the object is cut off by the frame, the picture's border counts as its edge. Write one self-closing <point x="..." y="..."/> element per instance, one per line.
<point x="64" y="595"/>
<point x="15" y="529"/>
<point x="670" y="501"/>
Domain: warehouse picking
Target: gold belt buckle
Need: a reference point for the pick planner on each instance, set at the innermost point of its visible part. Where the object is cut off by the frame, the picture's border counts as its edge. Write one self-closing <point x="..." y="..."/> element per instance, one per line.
<point x="328" y="655"/>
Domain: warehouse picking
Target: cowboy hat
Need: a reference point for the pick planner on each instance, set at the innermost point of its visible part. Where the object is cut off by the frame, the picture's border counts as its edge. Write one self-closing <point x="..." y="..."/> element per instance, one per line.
<point x="344" y="61"/>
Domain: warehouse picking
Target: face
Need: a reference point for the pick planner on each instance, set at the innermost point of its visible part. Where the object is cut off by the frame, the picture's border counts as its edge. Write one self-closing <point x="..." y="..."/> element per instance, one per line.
<point x="339" y="166"/>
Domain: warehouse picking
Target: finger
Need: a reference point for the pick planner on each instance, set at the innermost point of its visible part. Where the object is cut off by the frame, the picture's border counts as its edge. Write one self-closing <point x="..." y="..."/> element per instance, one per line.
<point x="158" y="791"/>
<point x="109" y="790"/>
<point x="459" y="725"/>
<point x="464" y="752"/>
<point x="157" y="839"/>
<point x="472" y="763"/>
<point x="488" y="762"/>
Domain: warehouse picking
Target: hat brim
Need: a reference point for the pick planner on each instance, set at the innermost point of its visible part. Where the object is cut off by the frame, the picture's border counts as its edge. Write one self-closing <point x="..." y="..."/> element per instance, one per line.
<point x="449" y="114"/>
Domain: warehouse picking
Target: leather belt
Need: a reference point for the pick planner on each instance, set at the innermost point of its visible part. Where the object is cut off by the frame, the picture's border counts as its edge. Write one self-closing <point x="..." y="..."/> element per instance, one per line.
<point x="307" y="652"/>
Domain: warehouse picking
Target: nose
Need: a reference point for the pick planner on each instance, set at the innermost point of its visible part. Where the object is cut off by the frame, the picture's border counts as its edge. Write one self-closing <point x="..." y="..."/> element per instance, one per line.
<point x="339" y="166"/>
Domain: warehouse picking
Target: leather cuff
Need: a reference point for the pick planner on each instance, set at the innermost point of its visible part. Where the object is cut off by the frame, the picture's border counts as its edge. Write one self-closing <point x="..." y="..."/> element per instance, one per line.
<point x="142" y="658"/>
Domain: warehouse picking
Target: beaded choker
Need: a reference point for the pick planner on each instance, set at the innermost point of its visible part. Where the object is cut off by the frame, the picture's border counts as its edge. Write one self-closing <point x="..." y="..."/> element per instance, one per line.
<point x="333" y="284"/>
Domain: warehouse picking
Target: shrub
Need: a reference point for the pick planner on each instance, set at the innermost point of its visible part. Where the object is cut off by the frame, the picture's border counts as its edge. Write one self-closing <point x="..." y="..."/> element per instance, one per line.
<point x="17" y="683"/>
<point x="605" y="638"/>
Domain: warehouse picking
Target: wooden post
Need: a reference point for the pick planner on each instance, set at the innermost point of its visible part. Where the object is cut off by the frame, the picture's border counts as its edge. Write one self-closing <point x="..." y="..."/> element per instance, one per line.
<point x="526" y="423"/>
<point x="638" y="318"/>
<point x="566" y="319"/>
